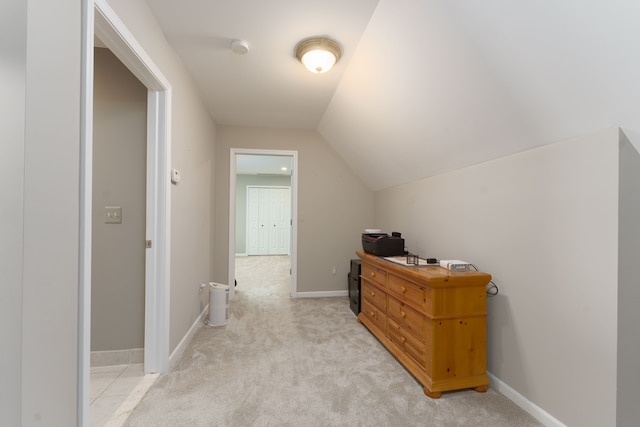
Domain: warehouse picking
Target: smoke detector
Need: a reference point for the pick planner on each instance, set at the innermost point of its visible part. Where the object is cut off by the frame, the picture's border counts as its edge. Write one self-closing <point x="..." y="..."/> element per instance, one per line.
<point x="239" y="47"/>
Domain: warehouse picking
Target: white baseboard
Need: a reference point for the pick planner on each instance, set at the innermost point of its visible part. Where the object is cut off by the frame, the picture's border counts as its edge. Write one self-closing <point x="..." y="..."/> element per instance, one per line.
<point x="117" y="357"/>
<point x="176" y="355"/>
<point x="321" y="294"/>
<point x="531" y="408"/>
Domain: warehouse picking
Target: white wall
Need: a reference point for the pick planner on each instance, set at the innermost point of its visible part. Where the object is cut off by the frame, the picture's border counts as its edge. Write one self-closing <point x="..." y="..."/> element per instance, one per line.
<point x="334" y="205"/>
<point x="50" y="221"/>
<point x="544" y="223"/>
<point x="13" y="31"/>
<point x="440" y="85"/>
<point x="40" y="208"/>
<point x="192" y="152"/>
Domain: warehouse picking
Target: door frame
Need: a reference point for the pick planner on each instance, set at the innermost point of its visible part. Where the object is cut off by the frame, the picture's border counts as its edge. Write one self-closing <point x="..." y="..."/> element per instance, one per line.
<point x="294" y="212"/>
<point x="101" y="21"/>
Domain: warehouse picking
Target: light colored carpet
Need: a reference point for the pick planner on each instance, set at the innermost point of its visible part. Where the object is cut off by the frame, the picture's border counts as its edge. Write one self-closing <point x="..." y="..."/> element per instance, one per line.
<point x="302" y="362"/>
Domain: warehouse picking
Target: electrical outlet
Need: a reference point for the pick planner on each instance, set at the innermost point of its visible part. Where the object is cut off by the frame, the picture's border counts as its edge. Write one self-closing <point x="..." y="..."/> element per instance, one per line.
<point x="333" y="270"/>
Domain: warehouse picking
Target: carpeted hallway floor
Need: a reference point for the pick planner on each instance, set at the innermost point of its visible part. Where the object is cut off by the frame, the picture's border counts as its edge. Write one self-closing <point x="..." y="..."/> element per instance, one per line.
<point x="302" y="362"/>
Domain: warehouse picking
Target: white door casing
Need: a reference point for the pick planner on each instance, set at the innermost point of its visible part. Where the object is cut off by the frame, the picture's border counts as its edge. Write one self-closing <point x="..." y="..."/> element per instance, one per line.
<point x="101" y="21"/>
<point x="293" y="238"/>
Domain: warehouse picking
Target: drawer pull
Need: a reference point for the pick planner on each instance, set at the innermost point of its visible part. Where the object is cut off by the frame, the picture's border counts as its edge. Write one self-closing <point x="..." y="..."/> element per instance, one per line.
<point x="403" y="289"/>
<point x="403" y="340"/>
<point x="403" y="314"/>
<point x="373" y="274"/>
<point x="373" y="294"/>
<point x="372" y="313"/>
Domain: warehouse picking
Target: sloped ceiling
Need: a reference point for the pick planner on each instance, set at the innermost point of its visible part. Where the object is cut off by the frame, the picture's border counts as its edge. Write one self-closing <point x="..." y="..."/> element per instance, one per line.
<point x="426" y="86"/>
<point x="439" y="85"/>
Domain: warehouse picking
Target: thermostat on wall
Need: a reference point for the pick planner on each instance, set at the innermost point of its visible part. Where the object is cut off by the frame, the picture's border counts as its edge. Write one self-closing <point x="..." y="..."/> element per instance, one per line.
<point x="175" y="176"/>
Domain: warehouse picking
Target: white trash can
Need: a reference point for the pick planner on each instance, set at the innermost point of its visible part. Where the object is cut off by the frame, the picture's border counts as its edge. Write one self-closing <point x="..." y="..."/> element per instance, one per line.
<point x="218" y="304"/>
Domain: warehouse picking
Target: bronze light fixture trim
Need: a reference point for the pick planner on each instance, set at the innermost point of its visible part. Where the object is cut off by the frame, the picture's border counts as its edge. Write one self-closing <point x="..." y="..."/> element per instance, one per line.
<point x="318" y="53"/>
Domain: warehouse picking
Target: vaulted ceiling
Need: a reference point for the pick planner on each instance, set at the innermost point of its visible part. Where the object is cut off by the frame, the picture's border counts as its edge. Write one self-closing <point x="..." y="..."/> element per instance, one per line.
<point x="424" y="86"/>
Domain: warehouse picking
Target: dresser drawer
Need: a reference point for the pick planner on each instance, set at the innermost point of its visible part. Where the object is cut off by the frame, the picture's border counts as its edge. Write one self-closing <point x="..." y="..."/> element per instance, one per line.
<point x="374" y="274"/>
<point x="408" y="291"/>
<point x="406" y="317"/>
<point x="374" y="315"/>
<point x="407" y="342"/>
<point x="374" y="295"/>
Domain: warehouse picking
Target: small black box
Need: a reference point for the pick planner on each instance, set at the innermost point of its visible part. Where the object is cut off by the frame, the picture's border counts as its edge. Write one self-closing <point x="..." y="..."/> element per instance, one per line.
<point x="354" y="285"/>
<point x="381" y="244"/>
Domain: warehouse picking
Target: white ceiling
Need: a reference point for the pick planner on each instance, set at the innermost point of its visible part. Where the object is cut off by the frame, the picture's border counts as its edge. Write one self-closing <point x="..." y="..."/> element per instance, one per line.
<point x="267" y="86"/>
<point x="424" y="86"/>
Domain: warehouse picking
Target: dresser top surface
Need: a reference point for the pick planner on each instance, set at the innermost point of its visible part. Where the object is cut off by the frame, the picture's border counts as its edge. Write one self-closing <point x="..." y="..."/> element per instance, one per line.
<point x="435" y="275"/>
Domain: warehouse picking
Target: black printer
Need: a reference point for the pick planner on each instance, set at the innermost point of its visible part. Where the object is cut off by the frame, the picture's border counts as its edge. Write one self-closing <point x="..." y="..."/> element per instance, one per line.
<point x="381" y="244"/>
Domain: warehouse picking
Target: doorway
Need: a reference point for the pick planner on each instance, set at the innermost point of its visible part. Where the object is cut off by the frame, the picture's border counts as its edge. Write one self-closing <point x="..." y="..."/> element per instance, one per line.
<point x="118" y="257"/>
<point x="112" y="32"/>
<point x="101" y="22"/>
<point x="256" y="169"/>
<point x="119" y="216"/>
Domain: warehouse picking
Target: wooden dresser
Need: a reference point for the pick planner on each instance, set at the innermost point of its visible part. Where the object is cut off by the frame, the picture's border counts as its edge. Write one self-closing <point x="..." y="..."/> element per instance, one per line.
<point x="431" y="319"/>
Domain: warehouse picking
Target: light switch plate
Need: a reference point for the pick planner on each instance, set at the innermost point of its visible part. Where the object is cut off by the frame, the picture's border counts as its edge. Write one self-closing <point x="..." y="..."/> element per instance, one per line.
<point x="113" y="215"/>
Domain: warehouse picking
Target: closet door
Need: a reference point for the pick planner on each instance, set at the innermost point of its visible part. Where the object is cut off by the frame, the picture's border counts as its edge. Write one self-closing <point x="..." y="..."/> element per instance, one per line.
<point x="280" y="221"/>
<point x="257" y="237"/>
<point x="268" y="221"/>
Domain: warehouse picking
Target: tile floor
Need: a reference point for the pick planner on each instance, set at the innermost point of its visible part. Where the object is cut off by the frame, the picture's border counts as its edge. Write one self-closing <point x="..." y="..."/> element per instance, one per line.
<point x="110" y="388"/>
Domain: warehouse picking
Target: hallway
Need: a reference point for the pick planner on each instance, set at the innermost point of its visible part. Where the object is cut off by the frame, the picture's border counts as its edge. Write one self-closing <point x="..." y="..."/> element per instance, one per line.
<point x="283" y="361"/>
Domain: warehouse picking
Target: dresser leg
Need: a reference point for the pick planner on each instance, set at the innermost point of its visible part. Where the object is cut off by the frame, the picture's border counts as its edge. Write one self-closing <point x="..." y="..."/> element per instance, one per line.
<point x="432" y="394"/>
<point x="482" y="389"/>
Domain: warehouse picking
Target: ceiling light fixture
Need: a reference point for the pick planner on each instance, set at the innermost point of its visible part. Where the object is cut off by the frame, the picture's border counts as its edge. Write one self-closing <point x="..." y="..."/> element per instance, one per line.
<point x="318" y="54"/>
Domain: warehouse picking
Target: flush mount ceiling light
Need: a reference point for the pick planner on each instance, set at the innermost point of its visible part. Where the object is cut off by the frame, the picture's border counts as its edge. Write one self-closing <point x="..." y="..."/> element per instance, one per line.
<point x="318" y="54"/>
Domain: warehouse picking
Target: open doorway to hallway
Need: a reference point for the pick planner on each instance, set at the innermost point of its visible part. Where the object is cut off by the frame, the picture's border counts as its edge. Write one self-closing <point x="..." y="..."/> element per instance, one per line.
<point x="263" y="207"/>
